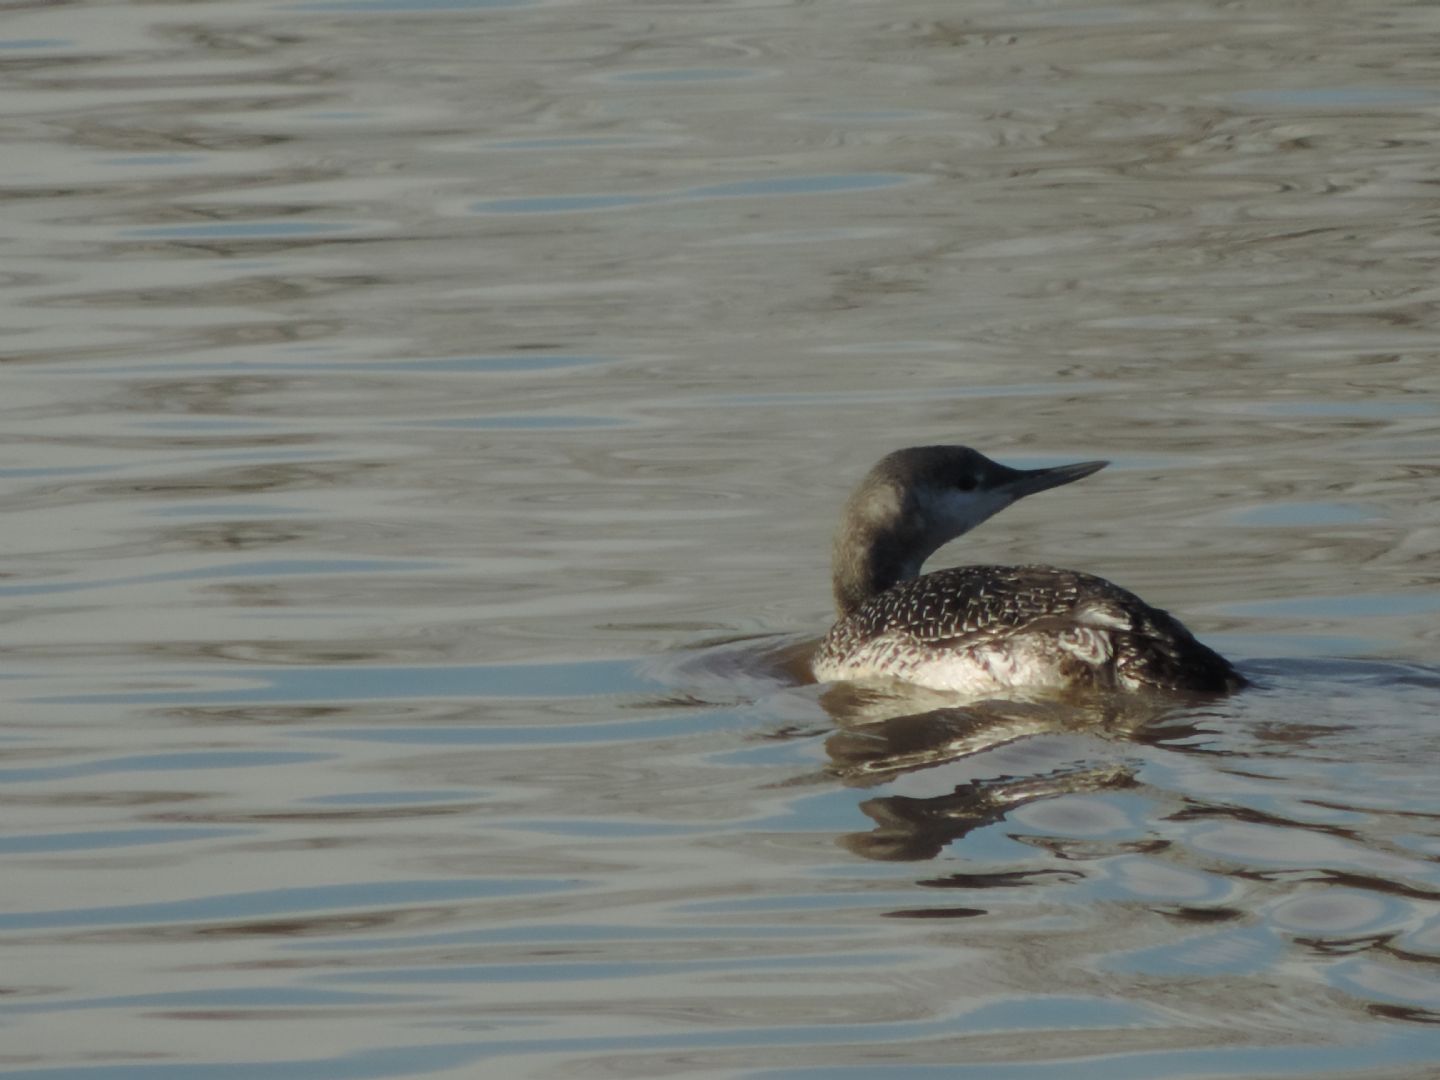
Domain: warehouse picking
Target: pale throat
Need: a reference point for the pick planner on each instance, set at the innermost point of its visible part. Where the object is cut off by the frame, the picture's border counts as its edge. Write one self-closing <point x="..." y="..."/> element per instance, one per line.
<point x="884" y="538"/>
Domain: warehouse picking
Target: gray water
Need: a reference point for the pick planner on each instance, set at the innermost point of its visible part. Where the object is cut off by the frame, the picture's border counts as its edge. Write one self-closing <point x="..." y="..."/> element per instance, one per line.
<point x="423" y="425"/>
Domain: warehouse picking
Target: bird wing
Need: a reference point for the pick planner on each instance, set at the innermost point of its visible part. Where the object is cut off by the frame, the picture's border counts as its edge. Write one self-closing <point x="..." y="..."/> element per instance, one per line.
<point x="967" y="605"/>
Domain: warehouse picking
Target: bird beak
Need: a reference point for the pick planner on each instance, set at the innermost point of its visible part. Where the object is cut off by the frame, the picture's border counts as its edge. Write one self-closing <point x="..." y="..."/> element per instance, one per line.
<point x="1029" y="481"/>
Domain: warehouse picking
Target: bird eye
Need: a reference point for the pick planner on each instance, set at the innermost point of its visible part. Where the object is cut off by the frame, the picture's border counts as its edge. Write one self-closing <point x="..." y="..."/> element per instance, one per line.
<point x="965" y="482"/>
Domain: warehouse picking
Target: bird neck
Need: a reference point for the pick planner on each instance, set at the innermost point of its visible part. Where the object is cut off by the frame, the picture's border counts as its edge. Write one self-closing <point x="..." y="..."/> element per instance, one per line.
<point x="878" y="545"/>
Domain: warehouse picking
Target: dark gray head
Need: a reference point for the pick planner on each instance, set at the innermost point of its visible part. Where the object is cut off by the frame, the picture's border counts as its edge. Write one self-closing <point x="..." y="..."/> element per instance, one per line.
<point x="915" y="500"/>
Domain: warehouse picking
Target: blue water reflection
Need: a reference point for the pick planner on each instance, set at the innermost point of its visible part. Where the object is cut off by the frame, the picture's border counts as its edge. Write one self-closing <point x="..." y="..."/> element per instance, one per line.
<point x="377" y="683"/>
<point x="261" y="569"/>
<point x="739" y="189"/>
<point x="274" y="902"/>
<point x="165" y="762"/>
<point x="111" y="838"/>
<point x="1387" y="1047"/>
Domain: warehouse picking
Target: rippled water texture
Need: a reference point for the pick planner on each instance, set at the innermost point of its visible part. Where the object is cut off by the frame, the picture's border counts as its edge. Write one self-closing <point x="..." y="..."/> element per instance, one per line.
<point x="423" y="424"/>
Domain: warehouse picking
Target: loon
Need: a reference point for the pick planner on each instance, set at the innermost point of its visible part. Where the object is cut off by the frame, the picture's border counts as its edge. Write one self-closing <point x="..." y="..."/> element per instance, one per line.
<point x="988" y="631"/>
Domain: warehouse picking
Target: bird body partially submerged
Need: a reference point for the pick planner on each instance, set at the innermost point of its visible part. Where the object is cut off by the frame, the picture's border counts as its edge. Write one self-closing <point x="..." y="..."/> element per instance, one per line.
<point x="988" y="630"/>
<point x="982" y="630"/>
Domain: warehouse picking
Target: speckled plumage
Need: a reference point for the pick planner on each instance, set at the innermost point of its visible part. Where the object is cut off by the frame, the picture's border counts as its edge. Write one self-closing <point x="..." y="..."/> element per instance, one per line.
<point x="993" y="629"/>
<point x="987" y="630"/>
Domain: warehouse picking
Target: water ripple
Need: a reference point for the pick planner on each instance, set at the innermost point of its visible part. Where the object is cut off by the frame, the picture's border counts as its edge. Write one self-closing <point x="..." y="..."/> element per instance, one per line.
<point x="269" y="903"/>
<point x="738" y="189"/>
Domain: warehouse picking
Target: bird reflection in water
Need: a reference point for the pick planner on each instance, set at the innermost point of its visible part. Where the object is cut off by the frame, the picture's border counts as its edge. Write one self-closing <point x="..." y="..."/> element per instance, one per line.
<point x="878" y="732"/>
<point x="883" y="735"/>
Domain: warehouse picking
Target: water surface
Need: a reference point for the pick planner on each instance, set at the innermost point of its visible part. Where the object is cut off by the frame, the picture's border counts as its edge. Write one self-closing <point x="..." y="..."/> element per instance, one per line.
<point x="423" y="426"/>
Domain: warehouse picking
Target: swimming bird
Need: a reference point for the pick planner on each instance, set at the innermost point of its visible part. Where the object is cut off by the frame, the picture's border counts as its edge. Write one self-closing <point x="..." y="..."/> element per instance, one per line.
<point x="988" y="631"/>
